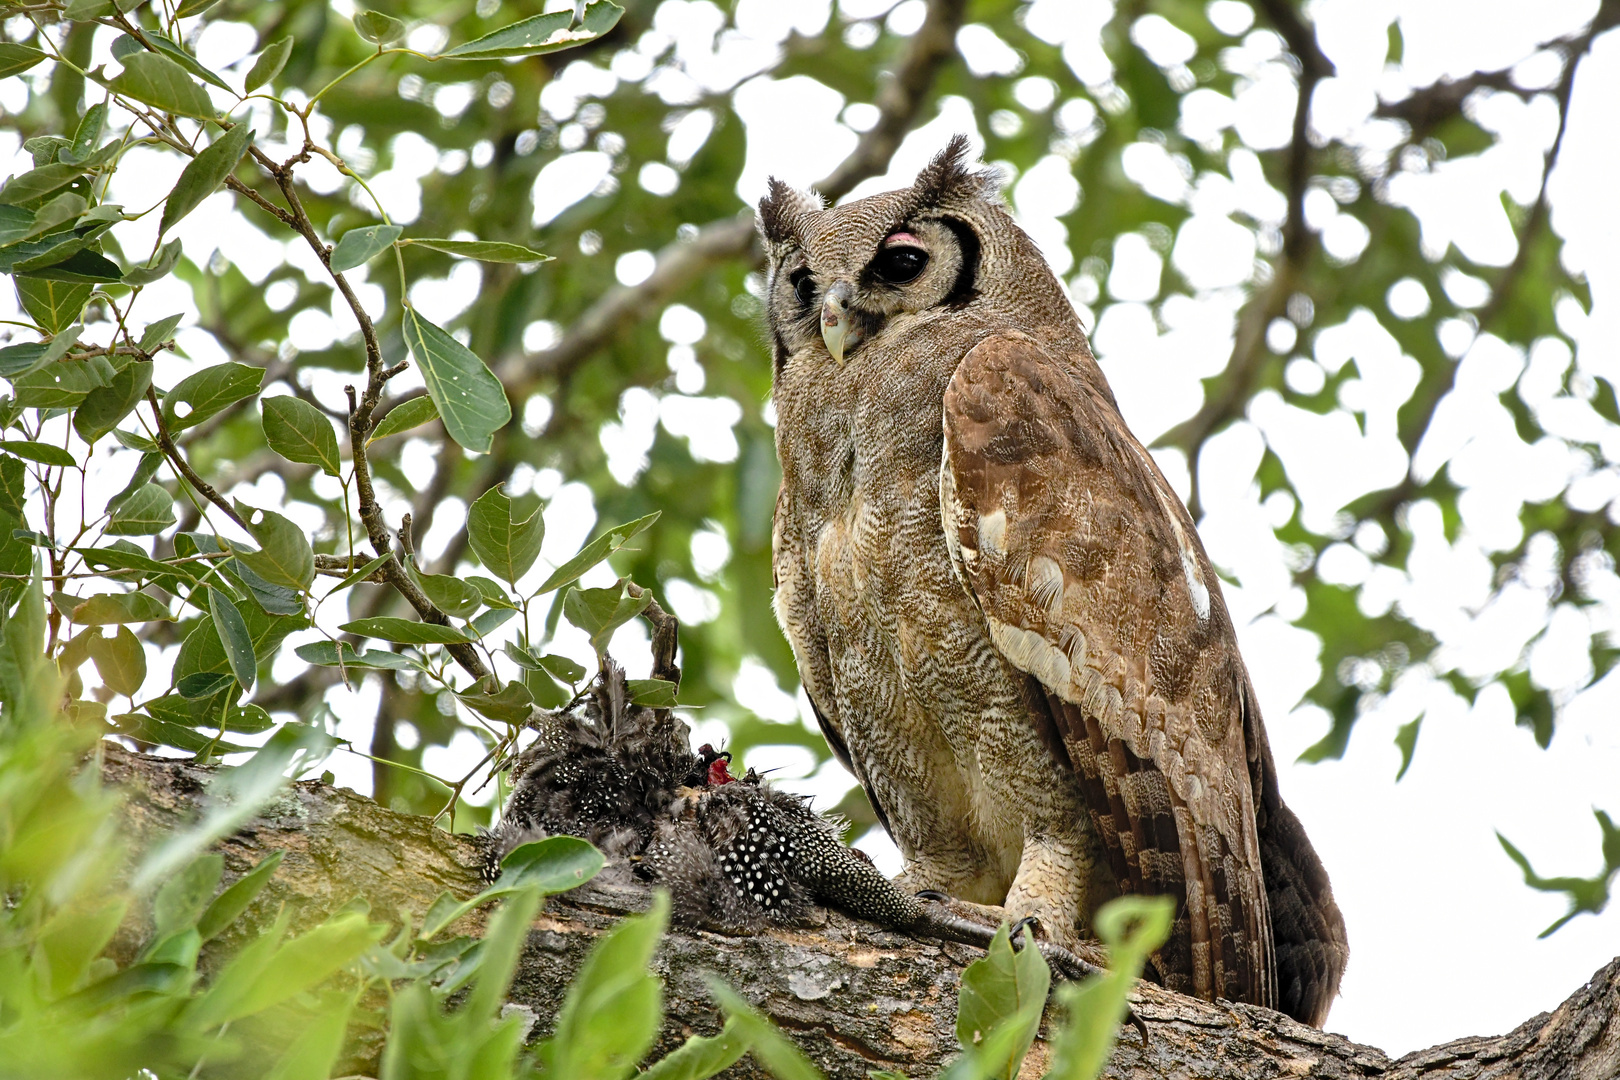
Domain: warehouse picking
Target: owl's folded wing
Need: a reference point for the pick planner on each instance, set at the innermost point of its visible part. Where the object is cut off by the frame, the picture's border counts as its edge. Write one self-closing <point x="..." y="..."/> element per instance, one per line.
<point x="1092" y="580"/>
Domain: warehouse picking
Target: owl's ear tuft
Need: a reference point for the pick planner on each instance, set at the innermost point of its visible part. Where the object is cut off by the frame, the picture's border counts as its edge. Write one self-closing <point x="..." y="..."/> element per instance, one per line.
<point x="951" y="175"/>
<point x="778" y="209"/>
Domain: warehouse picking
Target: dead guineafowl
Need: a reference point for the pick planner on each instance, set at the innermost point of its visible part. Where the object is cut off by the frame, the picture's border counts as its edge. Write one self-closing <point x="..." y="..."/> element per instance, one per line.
<point x="736" y="854"/>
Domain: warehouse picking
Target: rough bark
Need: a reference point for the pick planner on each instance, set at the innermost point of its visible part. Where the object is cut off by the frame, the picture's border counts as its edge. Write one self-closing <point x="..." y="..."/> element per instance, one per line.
<point x="853" y="996"/>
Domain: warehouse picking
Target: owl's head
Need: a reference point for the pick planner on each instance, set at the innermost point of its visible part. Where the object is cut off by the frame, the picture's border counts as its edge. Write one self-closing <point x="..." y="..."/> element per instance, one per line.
<point x="845" y="278"/>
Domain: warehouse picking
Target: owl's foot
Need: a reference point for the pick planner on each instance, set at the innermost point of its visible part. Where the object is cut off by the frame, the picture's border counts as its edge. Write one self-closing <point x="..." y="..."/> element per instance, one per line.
<point x="976" y="924"/>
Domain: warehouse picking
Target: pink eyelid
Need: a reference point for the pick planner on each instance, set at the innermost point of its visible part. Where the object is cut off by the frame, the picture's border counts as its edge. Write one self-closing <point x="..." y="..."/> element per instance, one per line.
<point x="901" y="239"/>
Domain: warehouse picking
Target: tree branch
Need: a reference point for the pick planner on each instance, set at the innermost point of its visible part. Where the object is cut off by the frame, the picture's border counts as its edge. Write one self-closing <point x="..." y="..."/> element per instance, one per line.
<point x="853" y="996"/>
<point x="1226" y="398"/>
<point x="361" y="410"/>
<point x="165" y="443"/>
<point x="1502" y="290"/>
<point x="680" y="264"/>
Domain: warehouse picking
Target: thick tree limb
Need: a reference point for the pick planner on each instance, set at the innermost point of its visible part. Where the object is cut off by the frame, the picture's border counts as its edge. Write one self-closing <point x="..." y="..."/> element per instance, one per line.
<point x="853" y="996"/>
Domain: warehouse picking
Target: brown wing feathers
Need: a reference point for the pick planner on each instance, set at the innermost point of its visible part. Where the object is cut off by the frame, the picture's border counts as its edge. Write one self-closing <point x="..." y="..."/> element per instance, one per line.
<point x="1064" y="533"/>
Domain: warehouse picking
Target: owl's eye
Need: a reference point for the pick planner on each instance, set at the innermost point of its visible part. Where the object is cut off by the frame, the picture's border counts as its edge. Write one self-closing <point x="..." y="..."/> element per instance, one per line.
<point x="898" y="265"/>
<point x="804" y="286"/>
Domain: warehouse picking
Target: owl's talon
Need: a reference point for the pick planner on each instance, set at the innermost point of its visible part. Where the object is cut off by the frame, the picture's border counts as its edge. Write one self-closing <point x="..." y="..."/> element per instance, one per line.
<point x="932" y="894"/>
<point x="1028" y="923"/>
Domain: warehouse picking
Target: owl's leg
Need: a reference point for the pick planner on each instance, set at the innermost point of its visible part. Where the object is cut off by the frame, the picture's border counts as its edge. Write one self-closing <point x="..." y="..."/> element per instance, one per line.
<point x="1051" y="886"/>
<point x="944" y="919"/>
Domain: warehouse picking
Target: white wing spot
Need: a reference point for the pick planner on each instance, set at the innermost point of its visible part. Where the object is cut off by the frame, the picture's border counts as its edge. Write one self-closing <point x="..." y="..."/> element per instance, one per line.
<point x="992" y="533"/>
<point x="1197" y="590"/>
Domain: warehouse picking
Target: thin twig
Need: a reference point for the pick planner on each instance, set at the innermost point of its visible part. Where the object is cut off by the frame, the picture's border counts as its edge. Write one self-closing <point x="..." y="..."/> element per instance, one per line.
<point x="361" y="410"/>
<point x="680" y="264"/>
<point x="165" y="443"/>
<point x="1237" y="382"/>
<point x="1506" y="284"/>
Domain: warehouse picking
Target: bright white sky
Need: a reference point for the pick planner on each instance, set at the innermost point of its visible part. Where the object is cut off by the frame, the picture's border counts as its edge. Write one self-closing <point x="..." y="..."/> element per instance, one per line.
<point x="1443" y="931"/>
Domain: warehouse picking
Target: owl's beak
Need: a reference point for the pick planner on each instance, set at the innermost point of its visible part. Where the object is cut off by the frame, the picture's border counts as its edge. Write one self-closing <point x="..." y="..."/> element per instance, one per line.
<point x="836" y="329"/>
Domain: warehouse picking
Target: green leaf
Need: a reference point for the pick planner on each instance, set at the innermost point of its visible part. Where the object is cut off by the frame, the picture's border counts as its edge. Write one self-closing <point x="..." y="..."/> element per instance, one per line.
<point x="15" y="224"/>
<point x="16" y="59"/>
<point x="87" y="136"/>
<point x="120" y="661"/>
<point x="180" y="902"/>
<point x="553" y="865"/>
<point x="236" y="795"/>
<point x="404" y="631"/>
<point x="599" y="612"/>
<point x="145" y="469"/>
<point x="16" y="359"/>
<point x="594" y="552"/>
<point x="613" y="1009"/>
<point x="1002" y="988"/>
<point x="13" y="486"/>
<point x="202" y="685"/>
<point x="233" y="634"/>
<point x="360" y="246"/>
<point x="701" y="1056"/>
<point x="307" y="961"/>
<point x="1132" y="927"/>
<point x="44" y="453"/>
<point x="361" y="574"/>
<point x="494" y="594"/>
<point x="153" y="729"/>
<point x="469" y="397"/>
<point x="158" y="332"/>
<point x="268" y="65"/>
<point x="54" y="305"/>
<point x="403" y="417"/>
<point x="490" y="621"/>
<point x="450" y="595"/>
<point x="116" y="559"/>
<point x="80" y="266"/>
<point x="342" y="654"/>
<point x="104" y="407"/>
<point x="541" y="34"/>
<point x="63" y="384"/>
<point x="74" y="937"/>
<point x="769" y="1046"/>
<point x="109" y="608"/>
<point x="37" y="183"/>
<point x="300" y="432"/>
<point x="208" y="392"/>
<point x="204" y="173"/>
<point x="505" y="544"/>
<point x="84" y="10"/>
<point x="132" y="441"/>
<point x="185" y="60"/>
<point x="156" y="80"/>
<point x="68" y="206"/>
<point x="653" y="693"/>
<point x="563" y="668"/>
<point x="284" y="557"/>
<point x="313" y="1053"/>
<point x="513" y="705"/>
<point x="167" y="256"/>
<point x="1406" y="738"/>
<point x="496" y="251"/>
<point x="147" y="511"/>
<point x="230" y="904"/>
<point x="377" y="28"/>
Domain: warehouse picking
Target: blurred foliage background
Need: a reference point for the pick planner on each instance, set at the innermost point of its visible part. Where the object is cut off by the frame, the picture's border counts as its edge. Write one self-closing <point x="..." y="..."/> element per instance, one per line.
<point x="1164" y="152"/>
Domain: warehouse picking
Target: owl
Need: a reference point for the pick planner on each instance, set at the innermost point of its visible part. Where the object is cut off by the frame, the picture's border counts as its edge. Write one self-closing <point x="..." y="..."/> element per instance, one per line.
<point x="1000" y="609"/>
